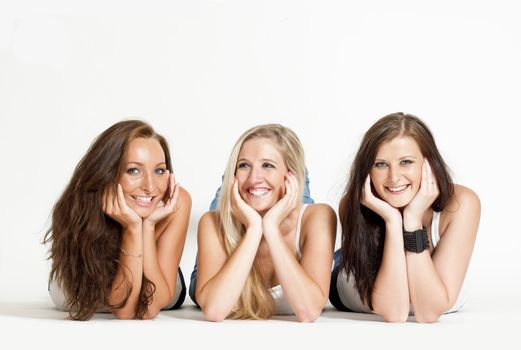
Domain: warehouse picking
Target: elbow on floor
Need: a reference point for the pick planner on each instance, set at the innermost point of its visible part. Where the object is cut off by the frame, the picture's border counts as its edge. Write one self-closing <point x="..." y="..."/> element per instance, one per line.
<point x="152" y="313"/>
<point x="396" y="317"/>
<point x="427" y="317"/>
<point x="214" y="315"/>
<point x="123" y="315"/>
<point x="306" y="315"/>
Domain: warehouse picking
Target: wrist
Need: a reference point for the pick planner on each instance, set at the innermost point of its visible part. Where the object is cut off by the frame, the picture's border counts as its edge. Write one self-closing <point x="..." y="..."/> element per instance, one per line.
<point x="132" y="242"/>
<point x="132" y="230"/>
<point x="269" y="227"/>
<point x="395" y="220"/>
<point x="270" y="231"/>
<point x="412" y="222"/>
<point x="254" y="230"/>
<point x="271" y="235"/>
<point x="148" y="225"/>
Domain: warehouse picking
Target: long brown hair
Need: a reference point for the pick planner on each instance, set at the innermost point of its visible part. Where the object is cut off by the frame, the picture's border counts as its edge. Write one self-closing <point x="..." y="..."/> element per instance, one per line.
<point x="85" y="243"/>
<point x="363" y="231"/>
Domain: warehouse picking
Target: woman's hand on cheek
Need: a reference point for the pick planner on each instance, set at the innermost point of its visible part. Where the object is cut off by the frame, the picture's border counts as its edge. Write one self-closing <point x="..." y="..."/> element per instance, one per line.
<point x="426" y="195"/>
<point x="115" y="206"/>
<point x="168" y="204"/>
<point x="242" y="211"/>
<point x="273" y="218"/>
<point x="380" y="207"/>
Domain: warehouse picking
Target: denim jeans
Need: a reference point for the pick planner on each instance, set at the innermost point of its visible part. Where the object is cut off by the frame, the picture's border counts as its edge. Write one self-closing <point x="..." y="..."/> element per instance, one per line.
<point x="334" y="298"/>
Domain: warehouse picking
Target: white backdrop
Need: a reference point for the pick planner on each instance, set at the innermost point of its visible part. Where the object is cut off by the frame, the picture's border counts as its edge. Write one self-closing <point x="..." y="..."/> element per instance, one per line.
<point x="201" y="72"/>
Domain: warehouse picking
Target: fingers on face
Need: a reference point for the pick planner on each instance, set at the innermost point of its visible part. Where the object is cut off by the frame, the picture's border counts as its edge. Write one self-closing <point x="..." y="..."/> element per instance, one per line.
<point x="171" y="184"/>
<point x="429" y="177"/>
<point x="367" y="187"/>
<point x="173" y="189"/>
<point x="173" y="201"/>
<point x="235" y="192"/>
<point x="425" y="175"/>
<point x="109" y="199"/>
<point x="291" y="188"/>
<point x="119" y="200"/>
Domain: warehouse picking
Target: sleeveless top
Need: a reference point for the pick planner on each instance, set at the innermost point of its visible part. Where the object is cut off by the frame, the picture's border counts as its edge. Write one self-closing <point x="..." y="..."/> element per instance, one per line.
<point x="348" y="293"/>
<point x="282" y="306"/>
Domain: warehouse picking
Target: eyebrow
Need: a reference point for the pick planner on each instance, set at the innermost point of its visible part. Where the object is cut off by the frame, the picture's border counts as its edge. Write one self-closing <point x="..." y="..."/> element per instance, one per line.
<point x="401" y="158"/>
<point x="142" y="164"/>
<point x="262" y="160"/>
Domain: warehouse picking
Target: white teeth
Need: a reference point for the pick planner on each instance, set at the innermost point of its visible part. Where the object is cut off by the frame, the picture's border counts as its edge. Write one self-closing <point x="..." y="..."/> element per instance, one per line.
<point x="143" y="199"/>
<point x="257" y="192"/>
<point x="397" y="189"/>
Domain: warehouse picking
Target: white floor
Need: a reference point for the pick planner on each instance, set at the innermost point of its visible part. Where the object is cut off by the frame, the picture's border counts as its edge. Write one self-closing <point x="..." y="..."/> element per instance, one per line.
<point x="484" y="321"/>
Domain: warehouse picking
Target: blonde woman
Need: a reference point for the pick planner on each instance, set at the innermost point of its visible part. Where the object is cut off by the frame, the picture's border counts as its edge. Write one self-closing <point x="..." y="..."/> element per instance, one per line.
<point x="263" y="251"/>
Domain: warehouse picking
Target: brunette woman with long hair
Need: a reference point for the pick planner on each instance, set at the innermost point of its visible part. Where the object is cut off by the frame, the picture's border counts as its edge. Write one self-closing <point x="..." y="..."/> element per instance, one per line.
<point x="407" y="231"/>
<point x="263" y="251"/>
<point x="118" y="230"/>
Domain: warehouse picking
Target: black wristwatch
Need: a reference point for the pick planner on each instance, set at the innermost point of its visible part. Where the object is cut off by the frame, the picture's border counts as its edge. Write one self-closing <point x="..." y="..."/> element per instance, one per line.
<point x="415" y="241"/>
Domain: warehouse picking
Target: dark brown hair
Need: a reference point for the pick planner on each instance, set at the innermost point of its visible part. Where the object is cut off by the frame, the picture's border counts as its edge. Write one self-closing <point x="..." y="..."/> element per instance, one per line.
<point x="85" y="243"/>
<point x="363" y="231"/>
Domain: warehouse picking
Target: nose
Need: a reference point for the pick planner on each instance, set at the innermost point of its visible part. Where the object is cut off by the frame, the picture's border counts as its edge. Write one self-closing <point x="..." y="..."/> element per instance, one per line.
<point x="255" y="175"/>
<point x="147" y="183"/>
<point x="394" y="174"/>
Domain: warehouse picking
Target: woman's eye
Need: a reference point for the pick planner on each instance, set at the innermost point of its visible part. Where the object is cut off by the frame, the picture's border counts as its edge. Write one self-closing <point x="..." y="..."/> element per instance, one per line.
<point x="160" y="171"/>
<point x="406" y="162"/>
<point x="380" y="165"/>
<point x="242" y="165"/>
<point x="268" y="165"/>
<point x="132" y="171"/>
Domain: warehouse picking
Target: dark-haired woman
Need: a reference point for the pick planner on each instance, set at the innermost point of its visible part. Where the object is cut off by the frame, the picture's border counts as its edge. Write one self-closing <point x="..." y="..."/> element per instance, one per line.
<point x="119" y="228"/>
<point x="407" y="231"/>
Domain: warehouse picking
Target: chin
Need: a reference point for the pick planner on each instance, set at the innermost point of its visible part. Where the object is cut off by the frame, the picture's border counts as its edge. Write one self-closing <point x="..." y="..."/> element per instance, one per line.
<point x="260" y="207"/>
<point x="144" y="212"/>
<point x="398" y="204"/>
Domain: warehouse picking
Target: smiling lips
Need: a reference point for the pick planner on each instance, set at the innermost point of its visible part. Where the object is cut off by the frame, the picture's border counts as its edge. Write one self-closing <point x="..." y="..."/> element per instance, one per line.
<point x="397" y="189"/>
<point x="258" y="191"/>
<point x="144" y="201"/>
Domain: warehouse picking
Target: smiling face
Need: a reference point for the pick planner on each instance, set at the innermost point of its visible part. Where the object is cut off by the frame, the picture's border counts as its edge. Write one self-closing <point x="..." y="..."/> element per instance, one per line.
<point x="260" y="173"/>
<point x="144" y="178"/>
<point x="397" y="171"/>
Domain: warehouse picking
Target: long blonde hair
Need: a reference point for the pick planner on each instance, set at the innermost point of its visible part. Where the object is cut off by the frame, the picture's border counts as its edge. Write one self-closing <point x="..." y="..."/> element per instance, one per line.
<point x="255" y="301"/>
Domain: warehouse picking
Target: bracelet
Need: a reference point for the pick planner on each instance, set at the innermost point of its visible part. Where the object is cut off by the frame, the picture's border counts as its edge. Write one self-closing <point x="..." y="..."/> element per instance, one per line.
<point x="415" y="241"/>
<point x="129" y="254"/>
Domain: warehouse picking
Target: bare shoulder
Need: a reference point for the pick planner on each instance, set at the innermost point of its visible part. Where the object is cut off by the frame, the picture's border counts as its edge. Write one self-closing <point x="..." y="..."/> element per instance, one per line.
<point x="318" y="228"/>
<point x="319" y="218"/>
<point x="462" y="212"/>
<point x="209" y="222"/>
<point x="320" y="211"/>
<point x="184" y="197"/>
<point x="208" y="234"/>
<point x="464" y="199"/>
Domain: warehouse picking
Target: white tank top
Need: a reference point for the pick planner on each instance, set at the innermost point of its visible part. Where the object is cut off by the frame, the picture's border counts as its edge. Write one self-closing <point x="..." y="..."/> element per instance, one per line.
<point x="282" y="306"/>
<point x="348" y="293"/>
